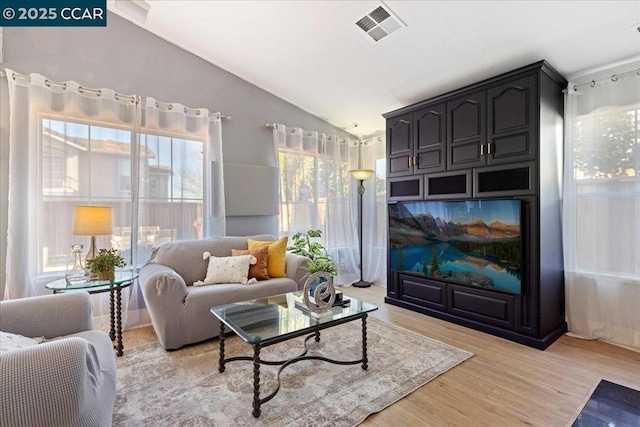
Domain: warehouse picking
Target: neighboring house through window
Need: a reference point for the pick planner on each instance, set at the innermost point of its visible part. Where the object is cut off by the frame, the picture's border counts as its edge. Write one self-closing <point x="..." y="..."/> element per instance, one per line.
<point x="86" y="163"/>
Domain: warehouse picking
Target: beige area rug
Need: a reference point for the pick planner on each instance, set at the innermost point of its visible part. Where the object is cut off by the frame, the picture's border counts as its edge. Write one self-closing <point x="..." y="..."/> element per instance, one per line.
<point x="184" y="387"/>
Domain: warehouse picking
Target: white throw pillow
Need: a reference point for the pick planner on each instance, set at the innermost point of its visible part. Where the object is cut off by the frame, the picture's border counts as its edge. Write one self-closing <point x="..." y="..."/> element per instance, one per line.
<point x="230" y="269"/>
<point x="11" y="342"/>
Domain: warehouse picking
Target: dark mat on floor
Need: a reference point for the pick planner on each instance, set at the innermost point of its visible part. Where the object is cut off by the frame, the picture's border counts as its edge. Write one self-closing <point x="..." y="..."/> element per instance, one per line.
<point x="610" y="404"/>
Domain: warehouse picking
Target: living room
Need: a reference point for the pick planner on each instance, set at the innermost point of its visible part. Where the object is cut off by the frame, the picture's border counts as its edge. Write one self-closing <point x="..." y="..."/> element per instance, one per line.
<point x="279" y="85"/>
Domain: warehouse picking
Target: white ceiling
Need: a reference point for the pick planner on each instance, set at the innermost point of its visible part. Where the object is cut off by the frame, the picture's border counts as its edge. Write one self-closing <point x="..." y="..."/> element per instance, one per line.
<point x="312" y="54"/>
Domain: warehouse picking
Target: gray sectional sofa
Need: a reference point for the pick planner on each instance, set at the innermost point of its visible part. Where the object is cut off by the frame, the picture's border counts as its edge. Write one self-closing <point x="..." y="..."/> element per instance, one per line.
<point x="180" y="311"/>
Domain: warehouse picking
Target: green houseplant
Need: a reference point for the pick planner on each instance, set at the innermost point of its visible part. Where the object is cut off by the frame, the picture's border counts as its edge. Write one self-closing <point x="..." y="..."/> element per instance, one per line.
<point x="104" y="264"/>
<point x="316" y="252"/>
<point x="320" y="260"/>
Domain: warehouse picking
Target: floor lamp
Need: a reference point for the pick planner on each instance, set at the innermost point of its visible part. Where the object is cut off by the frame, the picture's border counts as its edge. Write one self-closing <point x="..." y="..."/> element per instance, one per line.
<point x="361" y="175"/>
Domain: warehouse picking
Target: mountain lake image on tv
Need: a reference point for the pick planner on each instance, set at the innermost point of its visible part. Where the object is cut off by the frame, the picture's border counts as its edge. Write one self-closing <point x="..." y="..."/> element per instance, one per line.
<point x="469" y="242"/>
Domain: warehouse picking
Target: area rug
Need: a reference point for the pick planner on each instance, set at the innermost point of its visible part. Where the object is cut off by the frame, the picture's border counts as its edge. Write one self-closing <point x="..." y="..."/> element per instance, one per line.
<point x="610" y="404"/>
<point x="184" y="387"/>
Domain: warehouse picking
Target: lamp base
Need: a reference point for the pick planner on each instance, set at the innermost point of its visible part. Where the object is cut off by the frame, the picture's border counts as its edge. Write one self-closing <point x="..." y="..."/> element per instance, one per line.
<point x="92" y="250"/>
<point x="361" y="284"/>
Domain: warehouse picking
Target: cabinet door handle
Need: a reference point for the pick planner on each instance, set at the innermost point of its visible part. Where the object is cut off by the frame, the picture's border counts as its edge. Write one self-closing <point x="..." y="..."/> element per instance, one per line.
<point x="410" y="161"/>
<point x="488" y="148"/>
<point x="416" y="161"/>
<point x="482" y="149"/>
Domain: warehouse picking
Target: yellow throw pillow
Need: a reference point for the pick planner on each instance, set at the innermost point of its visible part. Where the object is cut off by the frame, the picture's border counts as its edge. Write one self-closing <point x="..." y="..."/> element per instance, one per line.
<point x="276" y="265"/>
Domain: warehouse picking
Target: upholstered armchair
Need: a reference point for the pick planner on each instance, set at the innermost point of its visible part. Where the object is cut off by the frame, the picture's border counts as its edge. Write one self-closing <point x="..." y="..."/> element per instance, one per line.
<point x="67" y="380"/>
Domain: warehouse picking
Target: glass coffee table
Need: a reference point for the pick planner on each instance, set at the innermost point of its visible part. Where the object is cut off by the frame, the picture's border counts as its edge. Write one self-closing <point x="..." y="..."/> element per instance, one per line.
<point x="272" y="320"/>
<point x="123" y="279"/>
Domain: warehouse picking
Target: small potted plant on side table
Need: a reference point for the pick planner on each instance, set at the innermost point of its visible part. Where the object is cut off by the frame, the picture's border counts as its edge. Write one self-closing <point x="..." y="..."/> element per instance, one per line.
<point x="104" y="264"/>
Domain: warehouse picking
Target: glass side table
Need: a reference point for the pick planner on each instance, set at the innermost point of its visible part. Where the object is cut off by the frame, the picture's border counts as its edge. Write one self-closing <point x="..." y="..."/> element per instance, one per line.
<point x="123" y="279"/>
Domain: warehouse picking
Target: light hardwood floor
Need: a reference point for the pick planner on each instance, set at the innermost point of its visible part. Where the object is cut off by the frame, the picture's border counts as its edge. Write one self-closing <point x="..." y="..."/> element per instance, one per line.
<point x="504" y="384"/>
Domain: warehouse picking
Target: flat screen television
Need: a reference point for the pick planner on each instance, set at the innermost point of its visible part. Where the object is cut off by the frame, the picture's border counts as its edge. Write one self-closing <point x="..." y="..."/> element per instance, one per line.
<point x="475" y="242"/>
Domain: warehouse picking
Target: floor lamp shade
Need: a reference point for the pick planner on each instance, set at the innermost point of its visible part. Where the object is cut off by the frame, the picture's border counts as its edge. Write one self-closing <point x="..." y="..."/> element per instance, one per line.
<point x="361" y="174"/>
<point x="93" y="221"/>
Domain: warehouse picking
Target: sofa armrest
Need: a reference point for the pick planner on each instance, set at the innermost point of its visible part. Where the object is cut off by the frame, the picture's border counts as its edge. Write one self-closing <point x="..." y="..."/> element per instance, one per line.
<point x="47" y="316"/>
<point x="164" y="293"/>
<point x="296" y="268"/>
<point x="161" y="282"/>
<point x="59" y="380"/>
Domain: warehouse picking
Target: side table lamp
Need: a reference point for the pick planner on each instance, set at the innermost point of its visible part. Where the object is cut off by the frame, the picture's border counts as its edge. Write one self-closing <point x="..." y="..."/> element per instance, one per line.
<point x="93" y="221"/>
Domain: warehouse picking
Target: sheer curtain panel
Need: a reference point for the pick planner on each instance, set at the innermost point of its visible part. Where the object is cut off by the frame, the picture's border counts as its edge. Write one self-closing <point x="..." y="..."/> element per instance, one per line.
<point x="65" y="142"/>
<point x="374" y="209"/>
<point x="180" y="161"/>
<point x="601" y="207"/>
<point x="315" y="193"/>
<point x="61" y="139"/>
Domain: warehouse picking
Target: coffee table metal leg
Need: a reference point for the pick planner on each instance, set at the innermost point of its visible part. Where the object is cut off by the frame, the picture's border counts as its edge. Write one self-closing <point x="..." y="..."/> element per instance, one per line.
<point x="119" y="351"/>
<point x="317" y="338"/>
<point x="221" y="338"/>
<point x="256" y="380"/>
<point x="365" y="360"/>
<point x="112" y="330"/>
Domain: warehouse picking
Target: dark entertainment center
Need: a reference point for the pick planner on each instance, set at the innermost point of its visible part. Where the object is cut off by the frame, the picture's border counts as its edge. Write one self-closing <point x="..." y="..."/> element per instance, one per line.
<point x="497" y="139"/>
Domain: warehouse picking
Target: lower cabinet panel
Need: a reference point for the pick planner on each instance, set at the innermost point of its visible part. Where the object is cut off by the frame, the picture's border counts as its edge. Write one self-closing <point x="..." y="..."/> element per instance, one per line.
<point x="425" y="292"/>
<point x="489" y="307"/>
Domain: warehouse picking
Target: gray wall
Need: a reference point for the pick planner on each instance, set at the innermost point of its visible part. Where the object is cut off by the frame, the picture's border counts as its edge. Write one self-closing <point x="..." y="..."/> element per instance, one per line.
<point x="131" y="60"/>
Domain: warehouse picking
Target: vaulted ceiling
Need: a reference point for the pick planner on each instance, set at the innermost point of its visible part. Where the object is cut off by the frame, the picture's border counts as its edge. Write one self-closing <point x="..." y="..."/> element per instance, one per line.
<point x="312" y="53"/>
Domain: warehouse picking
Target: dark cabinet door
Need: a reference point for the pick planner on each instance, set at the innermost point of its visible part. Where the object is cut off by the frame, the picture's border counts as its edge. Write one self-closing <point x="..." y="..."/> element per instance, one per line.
<point x="400" y="145"/>
<point x="512" y="121"/>
<point x="430" y="137"/>
<point x="466" y="133"/>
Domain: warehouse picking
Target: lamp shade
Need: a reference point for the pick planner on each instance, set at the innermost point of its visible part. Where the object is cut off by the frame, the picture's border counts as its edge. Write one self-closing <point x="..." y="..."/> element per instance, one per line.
<point x="93" y="220"/>
<point x="361" y="174"/>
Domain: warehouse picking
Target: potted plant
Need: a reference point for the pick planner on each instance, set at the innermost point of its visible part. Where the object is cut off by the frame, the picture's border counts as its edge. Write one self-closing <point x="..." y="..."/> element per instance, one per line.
<point x="104" y="264"/>
<point x="322" y="263"/>
<point x="316" y="252"/>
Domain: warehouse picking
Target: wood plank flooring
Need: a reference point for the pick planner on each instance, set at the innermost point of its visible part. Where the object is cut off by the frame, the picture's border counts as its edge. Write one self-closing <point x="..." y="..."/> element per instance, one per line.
<point x="504" y="384"/>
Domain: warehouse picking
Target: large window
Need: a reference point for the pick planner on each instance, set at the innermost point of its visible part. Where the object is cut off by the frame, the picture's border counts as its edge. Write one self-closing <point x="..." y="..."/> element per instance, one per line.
<point x="89" y="163"/>
<point x="606" y="176"/>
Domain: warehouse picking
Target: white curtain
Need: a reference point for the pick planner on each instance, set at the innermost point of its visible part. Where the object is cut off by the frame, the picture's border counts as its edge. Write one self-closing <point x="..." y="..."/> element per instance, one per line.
<point x="188" y="142"/>
<point x="374" y="210"/>
<point x="315" y="189"/>
<point x="317" y="192"/>
<point x="161" y="171"/>
<point x="601" y="207"/>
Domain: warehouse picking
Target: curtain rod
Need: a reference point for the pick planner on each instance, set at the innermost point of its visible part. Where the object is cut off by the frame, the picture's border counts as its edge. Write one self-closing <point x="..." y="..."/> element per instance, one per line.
<point x="356" y="142"/>
<point x="592" y="83"/>
<point x="614" y="78"/>
<point x="117" y="96"/>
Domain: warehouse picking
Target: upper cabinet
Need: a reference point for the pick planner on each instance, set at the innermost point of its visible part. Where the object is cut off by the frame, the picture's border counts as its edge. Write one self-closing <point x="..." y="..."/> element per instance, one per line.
<point x="417" y="141"/>
<point x="493" y="126"/>
<point x="430" y="136"/>
<point x="467" y="135"/>
<point x="482" y="140"/>
<point x="400" y="145"/>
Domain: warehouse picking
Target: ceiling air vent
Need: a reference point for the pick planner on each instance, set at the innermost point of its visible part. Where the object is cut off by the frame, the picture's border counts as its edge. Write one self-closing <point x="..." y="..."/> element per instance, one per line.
<point x="380" y="22"/>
